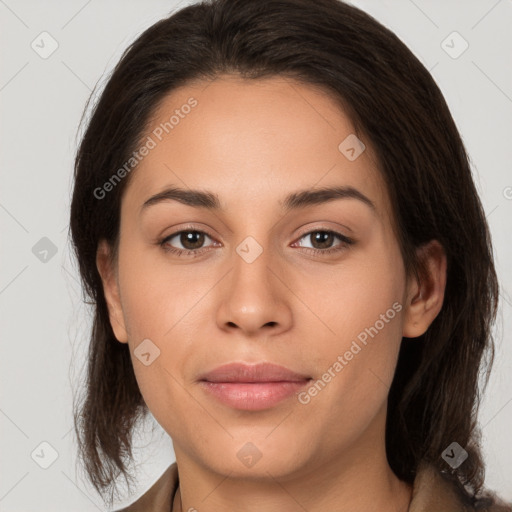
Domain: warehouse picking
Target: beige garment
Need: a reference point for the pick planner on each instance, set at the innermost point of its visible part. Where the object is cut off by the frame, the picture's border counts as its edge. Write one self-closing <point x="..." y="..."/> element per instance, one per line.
<point x="431" y="493"/>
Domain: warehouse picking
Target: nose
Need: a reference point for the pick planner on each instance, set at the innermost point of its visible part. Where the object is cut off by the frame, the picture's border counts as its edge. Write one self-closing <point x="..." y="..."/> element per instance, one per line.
<point x="255" y="298"/>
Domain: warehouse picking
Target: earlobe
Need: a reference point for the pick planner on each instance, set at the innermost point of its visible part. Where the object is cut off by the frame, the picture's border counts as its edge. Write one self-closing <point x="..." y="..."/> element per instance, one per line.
<point x="425" y="298"/>
<point x="106" y="270"/>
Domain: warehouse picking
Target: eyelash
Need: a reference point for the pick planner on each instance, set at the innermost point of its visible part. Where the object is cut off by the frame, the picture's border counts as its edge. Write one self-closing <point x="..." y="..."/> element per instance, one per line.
<point x="345" y="242"/>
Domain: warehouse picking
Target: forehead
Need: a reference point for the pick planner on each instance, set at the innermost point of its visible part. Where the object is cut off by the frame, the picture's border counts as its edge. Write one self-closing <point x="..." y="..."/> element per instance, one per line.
<point x="250" y="140"/>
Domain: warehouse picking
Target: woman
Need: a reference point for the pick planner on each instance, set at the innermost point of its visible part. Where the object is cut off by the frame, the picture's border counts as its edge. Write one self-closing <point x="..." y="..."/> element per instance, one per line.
<point x="274" y="215"/>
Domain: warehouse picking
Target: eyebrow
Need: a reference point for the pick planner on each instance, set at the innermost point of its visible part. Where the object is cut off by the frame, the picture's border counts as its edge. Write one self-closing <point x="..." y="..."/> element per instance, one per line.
<point x="296" y="200"/>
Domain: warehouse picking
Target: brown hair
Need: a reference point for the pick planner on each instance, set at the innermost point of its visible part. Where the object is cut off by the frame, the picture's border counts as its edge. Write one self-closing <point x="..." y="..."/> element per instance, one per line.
<point x="394" y="104"/>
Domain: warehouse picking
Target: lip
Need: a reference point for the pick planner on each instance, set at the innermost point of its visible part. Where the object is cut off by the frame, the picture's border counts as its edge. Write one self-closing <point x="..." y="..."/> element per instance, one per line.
<point x="261" y="372"/>
<point x="252" y="387"/>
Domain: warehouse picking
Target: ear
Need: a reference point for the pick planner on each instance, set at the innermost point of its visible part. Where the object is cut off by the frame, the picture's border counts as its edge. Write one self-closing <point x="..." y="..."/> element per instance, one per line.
<point x="425" y="298"/>
<point x="108" y="275"/>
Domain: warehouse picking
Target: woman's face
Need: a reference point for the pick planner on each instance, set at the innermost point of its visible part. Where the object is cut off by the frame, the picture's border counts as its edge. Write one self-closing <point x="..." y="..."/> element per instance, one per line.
<point x="255" y="290"/>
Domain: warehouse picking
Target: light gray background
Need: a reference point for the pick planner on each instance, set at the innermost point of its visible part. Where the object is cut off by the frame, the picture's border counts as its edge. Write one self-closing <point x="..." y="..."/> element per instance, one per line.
<point x="44" y="326"/>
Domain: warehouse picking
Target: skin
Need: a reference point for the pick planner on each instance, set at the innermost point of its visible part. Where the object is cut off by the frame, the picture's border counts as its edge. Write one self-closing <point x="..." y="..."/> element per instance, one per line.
<point x="252" y="143"/>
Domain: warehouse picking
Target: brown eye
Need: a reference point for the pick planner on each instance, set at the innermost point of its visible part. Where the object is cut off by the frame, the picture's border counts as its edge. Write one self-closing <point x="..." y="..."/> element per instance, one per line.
<point x="322" y="241"/>
<point x="191" y="239"/>
<point x="191" y="242"/>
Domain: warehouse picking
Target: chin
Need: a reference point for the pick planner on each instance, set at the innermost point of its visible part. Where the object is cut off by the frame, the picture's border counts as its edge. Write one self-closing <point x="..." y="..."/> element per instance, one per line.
<point x="257" y="460"/>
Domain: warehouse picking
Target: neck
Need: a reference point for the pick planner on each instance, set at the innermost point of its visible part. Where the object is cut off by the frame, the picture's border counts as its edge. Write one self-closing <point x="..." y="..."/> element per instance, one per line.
<point x="397" y="501"/>
<point x="357" y="477"/>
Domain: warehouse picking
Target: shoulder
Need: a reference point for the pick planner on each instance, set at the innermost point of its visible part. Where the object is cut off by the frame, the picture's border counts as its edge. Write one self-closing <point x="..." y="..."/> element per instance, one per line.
<point x="431" y="491"/>
<point x="159" y="496"/>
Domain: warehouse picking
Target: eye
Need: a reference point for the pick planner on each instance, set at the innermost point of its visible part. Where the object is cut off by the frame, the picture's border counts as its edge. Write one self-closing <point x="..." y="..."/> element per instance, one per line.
<point x="323" y="240"/>
<point x="191" y="241"/>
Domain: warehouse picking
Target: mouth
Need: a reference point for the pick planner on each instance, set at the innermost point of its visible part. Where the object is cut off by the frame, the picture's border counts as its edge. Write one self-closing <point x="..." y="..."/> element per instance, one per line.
<point x="252" y="387"/>
<point x="252" y="396"/>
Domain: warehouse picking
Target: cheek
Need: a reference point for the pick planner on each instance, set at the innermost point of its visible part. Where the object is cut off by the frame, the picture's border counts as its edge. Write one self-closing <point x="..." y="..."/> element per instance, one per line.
<point x="356" y="371"/>
<point x="157" y="294"/>
<point x="364" y="313"/>
<point x="161" y="303"/>
<point x="356" y="296"/>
